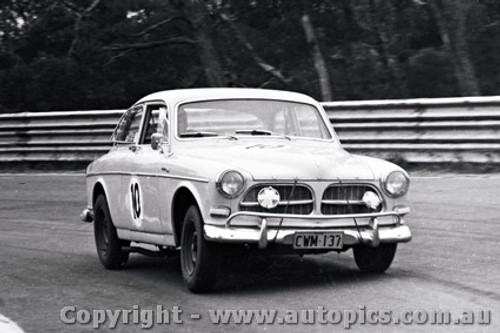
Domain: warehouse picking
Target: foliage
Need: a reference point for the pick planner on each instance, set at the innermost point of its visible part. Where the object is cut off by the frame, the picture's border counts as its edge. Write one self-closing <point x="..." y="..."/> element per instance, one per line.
<point x="91" y="54"/>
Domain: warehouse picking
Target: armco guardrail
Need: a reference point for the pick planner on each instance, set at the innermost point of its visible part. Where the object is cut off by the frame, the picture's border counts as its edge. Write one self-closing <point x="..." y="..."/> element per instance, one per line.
<point x="421" y="130"/>
<point x="56" y="136"/>
<point x="418" y="131"/>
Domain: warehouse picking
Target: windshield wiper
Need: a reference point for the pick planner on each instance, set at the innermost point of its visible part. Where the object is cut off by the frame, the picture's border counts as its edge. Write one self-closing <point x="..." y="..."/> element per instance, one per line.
<point x="201" y="134"/>
<point x="197" y="134"/>
<point x="262" y="132"/>
<point x="230" y="137"/>
<point x="254" y="132"/>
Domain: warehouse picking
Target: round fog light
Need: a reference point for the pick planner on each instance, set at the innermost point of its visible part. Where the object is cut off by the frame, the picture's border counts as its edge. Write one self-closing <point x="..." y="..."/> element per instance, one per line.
<point x="268" y="197"/>
<point x="371" y="200"/>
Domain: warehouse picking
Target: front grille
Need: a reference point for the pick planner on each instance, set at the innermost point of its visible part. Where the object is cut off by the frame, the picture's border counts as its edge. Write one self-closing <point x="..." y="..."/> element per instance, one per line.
<point x="300" y="202"/>
<point x="346" y="199"/>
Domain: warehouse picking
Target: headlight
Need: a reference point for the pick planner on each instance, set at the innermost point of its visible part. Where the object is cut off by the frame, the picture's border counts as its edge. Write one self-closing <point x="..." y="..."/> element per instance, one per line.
<point x="231" y="184"/>
<point x="396" y="184"/>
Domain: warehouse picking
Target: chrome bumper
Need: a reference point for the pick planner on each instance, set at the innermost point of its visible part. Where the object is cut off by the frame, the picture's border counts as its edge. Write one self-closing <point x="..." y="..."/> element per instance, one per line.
<point x="87" y="215"/>
<point x="262" y="234"/>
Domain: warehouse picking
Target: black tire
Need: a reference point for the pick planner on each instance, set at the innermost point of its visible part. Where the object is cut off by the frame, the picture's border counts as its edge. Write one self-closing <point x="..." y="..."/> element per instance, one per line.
<point x="200" y="260"/>
<point x="108" y="245"/>
<point x="374" y="259"/>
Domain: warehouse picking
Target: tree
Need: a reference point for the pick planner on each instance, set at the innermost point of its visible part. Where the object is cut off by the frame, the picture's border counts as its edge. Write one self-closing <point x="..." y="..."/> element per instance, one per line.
<point x="231" y="20"/>
<point x="198" y="31"/>
<point x="107" y="54"/>
<point x="316" y="54"/>
<point x="80" y="14"/>
<point x="451" y="19"/>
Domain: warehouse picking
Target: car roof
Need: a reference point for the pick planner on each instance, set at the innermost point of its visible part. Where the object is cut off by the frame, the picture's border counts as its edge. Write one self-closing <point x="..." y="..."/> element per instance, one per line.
<point x="184" y="95"/>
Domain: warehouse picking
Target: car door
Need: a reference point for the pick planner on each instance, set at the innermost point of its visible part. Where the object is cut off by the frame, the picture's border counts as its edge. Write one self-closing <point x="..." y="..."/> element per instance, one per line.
<point x="125" y="138"/>
<point x="140" y="179"/>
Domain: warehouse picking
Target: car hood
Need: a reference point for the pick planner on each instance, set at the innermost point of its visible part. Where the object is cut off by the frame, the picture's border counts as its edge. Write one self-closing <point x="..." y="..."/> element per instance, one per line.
<point x="285" y="160"/>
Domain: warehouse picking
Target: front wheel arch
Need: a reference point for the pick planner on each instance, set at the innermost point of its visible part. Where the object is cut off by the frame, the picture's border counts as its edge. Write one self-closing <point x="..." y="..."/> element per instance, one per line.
<point x="182" y="200"/>
<point x="98" y="190"/>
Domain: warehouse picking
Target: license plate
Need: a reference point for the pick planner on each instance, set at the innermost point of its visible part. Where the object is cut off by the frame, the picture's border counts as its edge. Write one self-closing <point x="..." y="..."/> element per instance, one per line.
<point x="318" y="240"/>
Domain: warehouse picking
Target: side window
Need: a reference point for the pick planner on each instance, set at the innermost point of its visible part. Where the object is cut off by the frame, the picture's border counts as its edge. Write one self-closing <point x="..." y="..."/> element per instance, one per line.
<point x="128" y="127"/>
<point x="156" y="122"/>
<point x="163" y="125"/>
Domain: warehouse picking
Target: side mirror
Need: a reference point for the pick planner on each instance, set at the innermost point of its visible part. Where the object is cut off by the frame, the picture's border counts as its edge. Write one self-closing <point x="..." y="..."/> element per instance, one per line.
<point x="156" y="141"/>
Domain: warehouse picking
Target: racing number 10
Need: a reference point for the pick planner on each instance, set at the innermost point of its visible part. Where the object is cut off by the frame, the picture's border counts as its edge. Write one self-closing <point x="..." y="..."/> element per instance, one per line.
<point x="136" y="200"/>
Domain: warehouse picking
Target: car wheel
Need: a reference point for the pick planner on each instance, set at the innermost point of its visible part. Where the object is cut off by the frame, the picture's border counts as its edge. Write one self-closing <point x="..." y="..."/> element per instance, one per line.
<point x="374" y="259"/>
<point x="108" y="245"/>
<point x="200" y="260"/>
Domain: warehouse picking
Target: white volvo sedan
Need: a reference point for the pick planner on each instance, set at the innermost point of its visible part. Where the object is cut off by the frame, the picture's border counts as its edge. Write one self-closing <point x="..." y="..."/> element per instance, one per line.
<point x="205" y="171"/>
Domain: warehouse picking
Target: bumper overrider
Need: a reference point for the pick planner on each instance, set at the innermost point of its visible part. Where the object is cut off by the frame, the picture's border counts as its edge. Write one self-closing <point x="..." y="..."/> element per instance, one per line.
<point x="87" y="215"/>
<point x="263" y="233"/>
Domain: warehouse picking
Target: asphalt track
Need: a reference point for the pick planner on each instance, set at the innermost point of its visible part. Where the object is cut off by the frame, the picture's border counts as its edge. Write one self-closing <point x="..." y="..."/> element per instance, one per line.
<point x="48" y="261"/>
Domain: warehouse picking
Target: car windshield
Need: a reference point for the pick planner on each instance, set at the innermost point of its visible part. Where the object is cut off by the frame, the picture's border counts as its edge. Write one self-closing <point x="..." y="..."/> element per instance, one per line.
<point x="250" y="117"/>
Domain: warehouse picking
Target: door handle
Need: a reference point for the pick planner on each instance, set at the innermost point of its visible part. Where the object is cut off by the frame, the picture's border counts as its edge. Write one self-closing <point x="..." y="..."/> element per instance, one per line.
<point x="133" y="148"/>
<point x="167" y="170"/>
